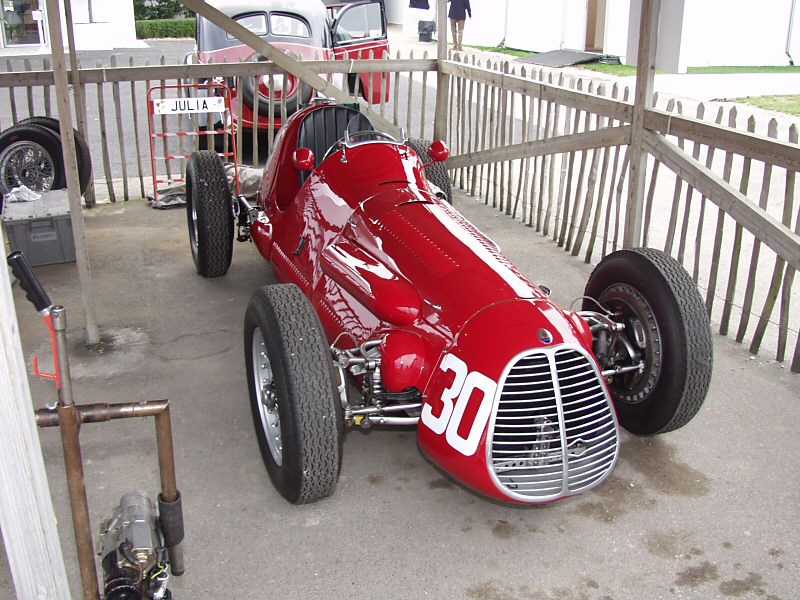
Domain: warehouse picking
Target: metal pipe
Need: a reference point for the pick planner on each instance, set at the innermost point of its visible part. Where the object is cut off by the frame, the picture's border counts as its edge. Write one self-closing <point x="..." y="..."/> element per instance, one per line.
<point x="620" y="370"/>
<point x="99" y="413"/>
<point x="382" y="420"/>
<point x="789" y="33"/>
<point x="59" y="316"/>
<point x="169" y="487"/>
<point x="166" y="458"/>
<point x="73" y="463"/>
<point x="374" y="410"/>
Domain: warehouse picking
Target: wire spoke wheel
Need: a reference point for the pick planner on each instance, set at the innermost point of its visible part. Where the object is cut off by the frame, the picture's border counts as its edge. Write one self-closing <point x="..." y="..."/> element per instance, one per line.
<point x="27" y="163"/>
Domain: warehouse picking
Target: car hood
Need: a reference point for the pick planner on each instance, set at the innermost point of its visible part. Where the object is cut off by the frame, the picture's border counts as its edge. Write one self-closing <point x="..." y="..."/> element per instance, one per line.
<point x="456" y="270"/>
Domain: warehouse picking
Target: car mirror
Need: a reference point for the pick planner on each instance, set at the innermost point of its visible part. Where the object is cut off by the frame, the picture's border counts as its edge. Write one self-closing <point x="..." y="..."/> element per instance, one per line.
<point x="303" y="159"/>
<point x="439" y="152"/>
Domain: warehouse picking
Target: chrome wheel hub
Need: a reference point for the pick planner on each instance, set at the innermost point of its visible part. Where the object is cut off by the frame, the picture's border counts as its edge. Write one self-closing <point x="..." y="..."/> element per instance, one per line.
<point x="264" y="385"/>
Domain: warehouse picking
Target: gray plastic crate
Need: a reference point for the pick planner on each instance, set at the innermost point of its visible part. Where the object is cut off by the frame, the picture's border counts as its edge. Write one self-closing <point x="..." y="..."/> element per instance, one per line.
<point x="41" y="228"/>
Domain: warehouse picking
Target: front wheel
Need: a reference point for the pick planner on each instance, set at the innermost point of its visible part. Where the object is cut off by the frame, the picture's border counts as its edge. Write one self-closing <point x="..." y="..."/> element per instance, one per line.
<point x="293" y="397"/>
<point x="665" y="326"/>
<point x="209" y="212"/>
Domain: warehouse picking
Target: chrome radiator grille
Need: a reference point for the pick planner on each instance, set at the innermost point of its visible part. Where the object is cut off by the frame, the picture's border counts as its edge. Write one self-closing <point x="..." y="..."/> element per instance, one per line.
<point x="554" y="431"/>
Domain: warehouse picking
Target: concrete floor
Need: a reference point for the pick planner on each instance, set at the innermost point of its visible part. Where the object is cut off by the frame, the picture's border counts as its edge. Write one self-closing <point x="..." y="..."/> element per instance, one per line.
<point x="709" y="511"/>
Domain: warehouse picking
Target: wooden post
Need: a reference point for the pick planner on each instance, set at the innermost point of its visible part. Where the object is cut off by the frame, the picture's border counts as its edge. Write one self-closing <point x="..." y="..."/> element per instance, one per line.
<point x="26" y="510"/>
<point x="442" y="79"/>
<point x="71" y="165"/>
<point x="645" y="72"/>
<point x="77" y="89"/>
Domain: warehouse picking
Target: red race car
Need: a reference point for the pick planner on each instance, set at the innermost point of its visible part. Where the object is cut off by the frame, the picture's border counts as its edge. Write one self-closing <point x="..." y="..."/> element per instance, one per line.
<point x="390" y="291"/>
<point x="305" y="29"/>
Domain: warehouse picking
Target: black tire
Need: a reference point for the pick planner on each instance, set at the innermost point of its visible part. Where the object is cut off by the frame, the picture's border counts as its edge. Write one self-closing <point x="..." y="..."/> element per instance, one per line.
<point x="294" y="101"/>
<point x="209" y="213"/>
<point x="45" y="172"/>
<point x="282" y="329"/>
<point x="436" y="172"/>
<point x="81" y="147"/>
<point x="649" y="286"/>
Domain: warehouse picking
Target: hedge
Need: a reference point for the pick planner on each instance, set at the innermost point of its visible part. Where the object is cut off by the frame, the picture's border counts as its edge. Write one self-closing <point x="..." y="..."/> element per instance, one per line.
<point x="165" y="28"/>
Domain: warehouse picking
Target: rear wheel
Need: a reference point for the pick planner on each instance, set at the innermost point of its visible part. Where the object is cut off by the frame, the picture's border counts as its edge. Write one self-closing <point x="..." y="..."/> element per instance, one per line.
<point x="436" y="172"/>
<point x="666" y="325"/>
<point x="209" y="214"/>
<point x="81" y="147"/>
<point x="293" y="397"/>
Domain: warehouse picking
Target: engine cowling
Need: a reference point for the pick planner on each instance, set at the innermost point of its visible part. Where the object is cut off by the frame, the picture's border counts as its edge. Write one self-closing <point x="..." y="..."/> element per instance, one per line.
<point x="517" y="409"/>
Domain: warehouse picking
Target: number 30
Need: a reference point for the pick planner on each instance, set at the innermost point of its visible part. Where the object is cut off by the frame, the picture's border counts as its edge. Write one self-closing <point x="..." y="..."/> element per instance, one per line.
<point x="454" y="404"/>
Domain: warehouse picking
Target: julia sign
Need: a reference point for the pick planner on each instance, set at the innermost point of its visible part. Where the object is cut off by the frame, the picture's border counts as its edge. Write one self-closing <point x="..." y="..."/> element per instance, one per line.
<point x="173" y="106"/>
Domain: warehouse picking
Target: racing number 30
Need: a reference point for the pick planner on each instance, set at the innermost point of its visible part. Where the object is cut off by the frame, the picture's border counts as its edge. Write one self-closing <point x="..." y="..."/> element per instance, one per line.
<point x="454" y="403"/>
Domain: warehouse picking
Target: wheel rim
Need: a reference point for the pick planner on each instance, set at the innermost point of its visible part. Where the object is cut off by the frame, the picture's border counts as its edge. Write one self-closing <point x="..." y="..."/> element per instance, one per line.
<point x="641" y="327"/>
<point x="27" y="163"/>
<point x="193" y="229"/>
<point x="266" y="397"/>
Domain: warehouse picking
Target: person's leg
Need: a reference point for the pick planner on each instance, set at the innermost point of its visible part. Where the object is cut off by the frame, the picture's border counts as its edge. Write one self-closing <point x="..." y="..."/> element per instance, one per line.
<point x="454" y="32"/>
<point x="461" y="34"/>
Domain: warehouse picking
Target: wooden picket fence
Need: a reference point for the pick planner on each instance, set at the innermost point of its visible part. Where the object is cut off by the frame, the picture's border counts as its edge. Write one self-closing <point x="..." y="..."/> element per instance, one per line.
<point x="552" y="152"/>
<point x="548" y="150"/>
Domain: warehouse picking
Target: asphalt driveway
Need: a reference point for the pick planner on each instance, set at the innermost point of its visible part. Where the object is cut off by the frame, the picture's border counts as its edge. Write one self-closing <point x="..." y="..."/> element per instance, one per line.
<point x="709" y="511"/>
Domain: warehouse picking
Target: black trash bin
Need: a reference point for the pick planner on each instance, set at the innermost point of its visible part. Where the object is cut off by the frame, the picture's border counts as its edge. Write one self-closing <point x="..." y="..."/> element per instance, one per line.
<point x="426" y="29"/>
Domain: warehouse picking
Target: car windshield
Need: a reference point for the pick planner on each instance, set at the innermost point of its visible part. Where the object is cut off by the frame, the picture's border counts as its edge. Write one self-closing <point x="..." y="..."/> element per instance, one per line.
<point x="359" y="131"/>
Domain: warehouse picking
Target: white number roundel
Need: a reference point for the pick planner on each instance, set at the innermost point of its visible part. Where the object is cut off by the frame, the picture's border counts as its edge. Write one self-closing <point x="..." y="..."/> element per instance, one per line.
<point x="454" y="402"/>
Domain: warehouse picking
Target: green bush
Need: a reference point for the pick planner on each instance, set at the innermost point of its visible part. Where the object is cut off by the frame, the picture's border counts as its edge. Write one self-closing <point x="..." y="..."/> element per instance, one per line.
<point x="159" y="9"/>
<point x="165" y="28"/>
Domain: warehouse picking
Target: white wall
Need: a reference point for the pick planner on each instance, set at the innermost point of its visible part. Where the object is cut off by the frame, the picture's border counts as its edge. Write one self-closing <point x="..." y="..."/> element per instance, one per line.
<point x="113" y="25"/>
<point x="616" y="35"/>
<point x="535" y="25"/>
<point x="670" y="35"/>
<point x="738" y="32"/>
<point x="395" y="10"/>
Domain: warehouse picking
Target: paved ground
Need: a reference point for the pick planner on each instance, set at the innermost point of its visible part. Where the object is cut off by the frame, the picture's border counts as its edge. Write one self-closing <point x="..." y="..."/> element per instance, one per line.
<point x="710" y="511"/>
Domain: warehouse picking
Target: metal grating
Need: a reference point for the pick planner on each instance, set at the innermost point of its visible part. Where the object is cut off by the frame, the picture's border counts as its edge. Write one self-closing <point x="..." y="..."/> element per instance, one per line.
<point x="554" y="431"/>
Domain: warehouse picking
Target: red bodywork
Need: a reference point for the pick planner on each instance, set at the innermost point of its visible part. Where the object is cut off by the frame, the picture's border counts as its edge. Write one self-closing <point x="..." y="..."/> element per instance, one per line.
<point x="381" y="257"/>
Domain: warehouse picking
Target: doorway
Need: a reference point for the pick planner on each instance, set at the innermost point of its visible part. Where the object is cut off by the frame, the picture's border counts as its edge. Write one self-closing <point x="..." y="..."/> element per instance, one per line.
<point x="595" y="25"/>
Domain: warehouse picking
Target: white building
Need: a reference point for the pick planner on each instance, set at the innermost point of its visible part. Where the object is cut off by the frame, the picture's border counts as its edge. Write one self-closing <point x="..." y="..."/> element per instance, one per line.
<point x="691" y="32"/>
<point x="99" y="25"/>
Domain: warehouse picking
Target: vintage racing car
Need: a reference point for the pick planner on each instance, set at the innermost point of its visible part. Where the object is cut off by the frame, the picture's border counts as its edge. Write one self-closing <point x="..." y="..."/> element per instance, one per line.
<point x="305" y="29"/>
<point x="390" y="291"/>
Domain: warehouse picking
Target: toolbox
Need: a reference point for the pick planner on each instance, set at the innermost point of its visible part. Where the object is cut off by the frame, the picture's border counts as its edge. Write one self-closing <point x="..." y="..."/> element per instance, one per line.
<point x="41" y="228"/>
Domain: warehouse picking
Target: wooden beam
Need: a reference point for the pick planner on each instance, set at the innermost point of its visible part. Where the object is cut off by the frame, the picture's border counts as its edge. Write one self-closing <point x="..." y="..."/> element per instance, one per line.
<point x="442" y="78"/>
<point x="750" y="145"/>
<point x="71" y="167"/>
<point x="77" y="90"/>
<point x="208" y="71"/>
<point x="552" y="93"/>
<point x="280" y="58"/>
<point x="26" y="510"/>
<point x="771" y="232"/>
<point x="588" y="140"/>
<point x="645" y="73"/>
